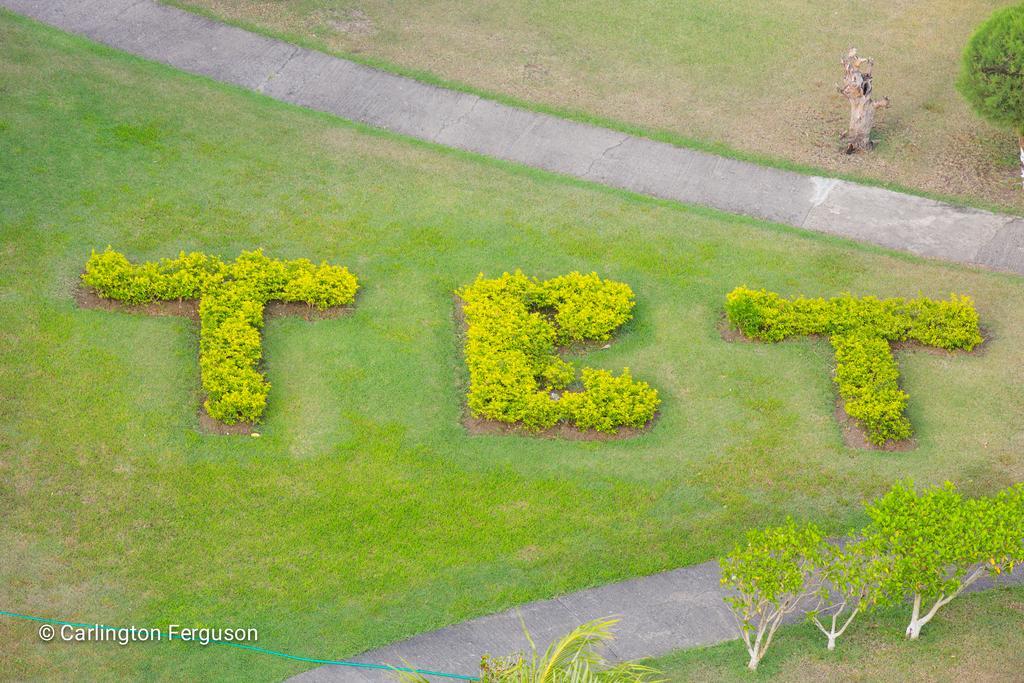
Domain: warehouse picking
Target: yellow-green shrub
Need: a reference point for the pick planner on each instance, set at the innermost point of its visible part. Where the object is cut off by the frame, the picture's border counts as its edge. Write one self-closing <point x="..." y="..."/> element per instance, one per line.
<point x="608" y="402"/>
<point x="231" y="301"/>
<point x="861" y="330"/>
<point x="868" y="380"/>
<point x="514" y="324"/>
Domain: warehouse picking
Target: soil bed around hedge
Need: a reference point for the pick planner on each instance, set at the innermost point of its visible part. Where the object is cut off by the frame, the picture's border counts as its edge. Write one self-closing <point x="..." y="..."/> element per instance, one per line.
<point x="855" y="436"/>
<point x="189" y="308"/>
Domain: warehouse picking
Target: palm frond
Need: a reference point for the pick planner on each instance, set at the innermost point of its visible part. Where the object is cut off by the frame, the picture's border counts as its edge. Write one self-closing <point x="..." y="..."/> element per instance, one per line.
<point x="578" y="647"/>
<point x="572" y="659"/>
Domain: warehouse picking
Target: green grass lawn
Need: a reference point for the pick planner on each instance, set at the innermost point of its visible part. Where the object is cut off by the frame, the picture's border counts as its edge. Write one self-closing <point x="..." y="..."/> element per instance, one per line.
<point x="752" y="77"/>
<point x="365" y="513"/>
<point x="975" y="638"/>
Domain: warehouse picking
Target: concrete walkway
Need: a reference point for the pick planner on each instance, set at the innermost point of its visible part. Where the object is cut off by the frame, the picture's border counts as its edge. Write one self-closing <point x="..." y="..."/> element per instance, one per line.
<point x="337" y="86"/>
<point x="660" y="614"/>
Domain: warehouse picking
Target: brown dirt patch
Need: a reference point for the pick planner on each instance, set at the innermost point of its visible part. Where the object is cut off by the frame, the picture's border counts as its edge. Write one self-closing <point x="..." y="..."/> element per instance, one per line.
<point x="353" y="22"/>
<point x="855" y="436"/>
<point x="189" y="308"/>
<point x="208" y="425"/>
<point x="297" y="309"/>
<point x="481" y="427"/>
<point x="730" y="333"/>
<point x="87" y="298"/>
<point x="529" y="553"/>
<point x="979" y="350"/>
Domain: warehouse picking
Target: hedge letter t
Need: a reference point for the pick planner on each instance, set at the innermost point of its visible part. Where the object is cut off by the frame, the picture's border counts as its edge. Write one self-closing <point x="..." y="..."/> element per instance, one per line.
<point x="860" y="331"/>
<point x="231" y="299"/>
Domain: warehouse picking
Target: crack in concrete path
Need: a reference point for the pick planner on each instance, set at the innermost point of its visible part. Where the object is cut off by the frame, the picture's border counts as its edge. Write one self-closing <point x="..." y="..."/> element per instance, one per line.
<point x="277" y="72"/>
<point x="600" y="157"/>
<point x="458" y="119"/>
<point x="129" y="8"/>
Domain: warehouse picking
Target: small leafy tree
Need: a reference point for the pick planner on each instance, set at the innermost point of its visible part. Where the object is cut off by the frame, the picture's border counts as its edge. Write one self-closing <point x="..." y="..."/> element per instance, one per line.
<point x="769" y="578"/>
<point x="992" y="75"/>
<point x="852" y="577"/>
<point x="573" y="659"/>
<point x="938" y="544"/>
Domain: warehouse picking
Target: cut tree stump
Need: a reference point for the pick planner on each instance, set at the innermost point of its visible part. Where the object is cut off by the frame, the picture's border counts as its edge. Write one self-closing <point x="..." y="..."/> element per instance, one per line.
<point x="857" y="89"/>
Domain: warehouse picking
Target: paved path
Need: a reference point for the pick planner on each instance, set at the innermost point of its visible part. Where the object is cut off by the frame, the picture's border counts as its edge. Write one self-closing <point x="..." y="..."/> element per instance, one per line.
<point x="664" y="612"/>
<point x="660" y="614"/>
<point x="359" y="93"/>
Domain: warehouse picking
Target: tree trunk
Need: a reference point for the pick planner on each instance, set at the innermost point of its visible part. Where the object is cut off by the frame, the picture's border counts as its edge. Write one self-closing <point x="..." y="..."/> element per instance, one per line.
<point x="857" y="89"/>
<point x="914" y="628"/>
<point x="1020" y="143"/>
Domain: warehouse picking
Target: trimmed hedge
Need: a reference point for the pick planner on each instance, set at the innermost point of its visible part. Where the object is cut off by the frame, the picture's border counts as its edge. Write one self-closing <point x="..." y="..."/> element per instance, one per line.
<point x="860" y="330"/>
<point x="514" y="326"/>
<point x="231" y="301"/>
